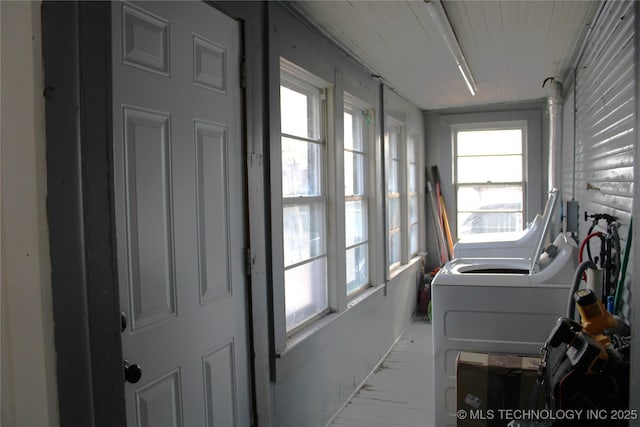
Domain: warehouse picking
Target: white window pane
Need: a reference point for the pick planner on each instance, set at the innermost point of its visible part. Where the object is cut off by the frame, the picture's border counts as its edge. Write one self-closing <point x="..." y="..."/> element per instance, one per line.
<point x="488" y="142"/>
<point x="489" y="169"/>
<point x="392" y="179"/>
<point x="353" y="130"/>
<point x="304" y="232"/>
<point x="412" y="178"/>
<point x="394" y="213"/>
<point x="489" y="222"/>
<point x="299" y="110"/>
<point x="485" y="159"/>
<point x="411" y="149"/>
<point x="353" y="174"/>
<point x="355" y="222"/>
<point x="394" y="136"/>
<point x="490" y="198"/>
<point x="413" y="238"/>
<point x="301" y="168"/>
<point x="357" y="268"/>
<point x="357" y="130"/>
<point x="413" y="208"/>
<point x="490" y="209"/>
<point x="348" y="130"/>
<point x="394" y="247"/>
<point x="305" y="291"/>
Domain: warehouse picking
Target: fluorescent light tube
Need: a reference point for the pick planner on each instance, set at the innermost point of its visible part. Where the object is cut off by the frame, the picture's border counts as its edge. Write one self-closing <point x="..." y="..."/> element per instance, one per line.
<point x="471" y="85"/>
<point x="444" y="26"/>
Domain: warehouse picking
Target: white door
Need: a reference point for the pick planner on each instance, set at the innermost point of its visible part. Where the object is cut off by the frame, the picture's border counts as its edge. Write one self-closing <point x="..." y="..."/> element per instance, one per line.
<point x="180" y="213"/>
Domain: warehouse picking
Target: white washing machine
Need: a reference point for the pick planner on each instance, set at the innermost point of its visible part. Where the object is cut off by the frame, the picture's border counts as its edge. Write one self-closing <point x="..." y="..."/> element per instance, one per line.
<point x="519" y="244"/>
<point x="498" y="305"/>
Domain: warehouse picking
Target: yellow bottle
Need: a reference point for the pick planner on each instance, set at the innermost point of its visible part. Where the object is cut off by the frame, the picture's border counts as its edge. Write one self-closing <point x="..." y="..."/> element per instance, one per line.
<point x="595" y="318"/>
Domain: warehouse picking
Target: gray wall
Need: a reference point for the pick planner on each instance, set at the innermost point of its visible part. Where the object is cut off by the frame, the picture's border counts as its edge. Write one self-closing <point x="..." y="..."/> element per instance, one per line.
<point x="29" y="396"/>
<point x="317" y="377"/>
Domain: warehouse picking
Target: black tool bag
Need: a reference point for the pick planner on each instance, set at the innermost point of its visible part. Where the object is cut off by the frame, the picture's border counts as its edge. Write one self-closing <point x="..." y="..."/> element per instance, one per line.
<point x="568" y="387"/>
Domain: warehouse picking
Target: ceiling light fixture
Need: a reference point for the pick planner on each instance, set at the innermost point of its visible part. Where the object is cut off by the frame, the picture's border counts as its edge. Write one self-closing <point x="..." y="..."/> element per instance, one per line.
<point x="444" y="26"/>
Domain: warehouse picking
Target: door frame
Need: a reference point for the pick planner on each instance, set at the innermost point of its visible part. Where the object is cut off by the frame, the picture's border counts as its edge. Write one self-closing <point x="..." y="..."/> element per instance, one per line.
<point x="80" y="203"/>
<point x="77" y="69"/>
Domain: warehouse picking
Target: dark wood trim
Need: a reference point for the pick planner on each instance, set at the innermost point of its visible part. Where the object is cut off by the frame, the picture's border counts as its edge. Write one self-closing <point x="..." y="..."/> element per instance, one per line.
<point x="99" y="218"/>
<point x="64" y="208"/>
<point x="77" y="61"/>
<point x="253" y="16"/>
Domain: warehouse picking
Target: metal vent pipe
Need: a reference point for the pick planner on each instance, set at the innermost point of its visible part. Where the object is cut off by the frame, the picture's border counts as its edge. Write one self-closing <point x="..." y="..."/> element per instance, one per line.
<point x="555" y="104"/>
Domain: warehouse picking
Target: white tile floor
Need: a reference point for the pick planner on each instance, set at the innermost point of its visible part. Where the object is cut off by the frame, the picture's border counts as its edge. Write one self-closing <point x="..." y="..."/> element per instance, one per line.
<point x="400" y="392"/>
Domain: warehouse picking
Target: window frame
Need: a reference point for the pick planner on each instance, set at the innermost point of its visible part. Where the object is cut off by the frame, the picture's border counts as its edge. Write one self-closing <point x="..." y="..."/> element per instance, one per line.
<point x="405" y="133"/>
<point x="413" y="137"/>
<point x="352" y="103"/>
<point x="399" y="194"/>
<point x="288" y="338"/>
<point x="308" y="83"/>
<point x="521" y="125"/>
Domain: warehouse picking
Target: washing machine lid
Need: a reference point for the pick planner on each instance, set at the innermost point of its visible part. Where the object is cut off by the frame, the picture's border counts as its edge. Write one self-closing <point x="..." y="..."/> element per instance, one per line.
<point x="501" y="266"/>
<point x="500" y="238"/>
<point x="549" y="209"/>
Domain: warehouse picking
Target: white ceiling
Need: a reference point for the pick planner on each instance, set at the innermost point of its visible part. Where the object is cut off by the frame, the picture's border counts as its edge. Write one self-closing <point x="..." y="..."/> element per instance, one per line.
<point x="511" y="46"/>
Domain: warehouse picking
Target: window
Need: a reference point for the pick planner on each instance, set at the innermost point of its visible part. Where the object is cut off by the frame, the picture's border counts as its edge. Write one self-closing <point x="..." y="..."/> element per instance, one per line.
<point x="329" y="214"/>
<point x="304" y="198"/>
<point x="490" y="179"/>
<point x="403" y="199"/>
<point x="394" y="202"/>
<point x="412" y="179"/>
<point x="357" y="122"/>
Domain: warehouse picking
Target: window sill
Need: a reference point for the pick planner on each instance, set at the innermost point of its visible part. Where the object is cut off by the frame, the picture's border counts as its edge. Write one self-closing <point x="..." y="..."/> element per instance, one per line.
<point x="403" y="268"/>
<point x="300" y="336"/>
<point x="308" y="342"/>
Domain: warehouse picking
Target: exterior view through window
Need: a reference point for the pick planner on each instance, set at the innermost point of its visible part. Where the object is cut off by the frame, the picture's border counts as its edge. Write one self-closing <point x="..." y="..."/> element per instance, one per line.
<point x="356" y="136"/>
<point x="414" y="226"/>
<point x="393" y="194"/>
<point x="489" y="175"/>
<point x="304" y="199"/>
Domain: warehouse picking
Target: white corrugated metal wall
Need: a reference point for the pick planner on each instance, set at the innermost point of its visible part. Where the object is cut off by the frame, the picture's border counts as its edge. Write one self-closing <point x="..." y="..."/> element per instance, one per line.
<point x="568" y="147"/>
<point x="599" y="136"/>
<point x="602" y="155"/>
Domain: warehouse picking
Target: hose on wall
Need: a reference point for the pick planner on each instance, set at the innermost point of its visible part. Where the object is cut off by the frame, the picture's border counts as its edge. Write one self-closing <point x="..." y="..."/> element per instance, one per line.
<point x="577" y="278"/>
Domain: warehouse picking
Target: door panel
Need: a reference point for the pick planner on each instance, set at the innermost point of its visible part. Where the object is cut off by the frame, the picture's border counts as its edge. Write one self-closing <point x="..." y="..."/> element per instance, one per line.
<point x="180" y="213"/>
<point x="147" y="174"/>
<point x="158" y="403"/>
<point x="219" y="374"/>
<point x="213" y="215"/>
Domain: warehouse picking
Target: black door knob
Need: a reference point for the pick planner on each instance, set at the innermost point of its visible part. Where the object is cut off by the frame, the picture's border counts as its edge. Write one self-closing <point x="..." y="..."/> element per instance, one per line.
<point x="132" y="372"/>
